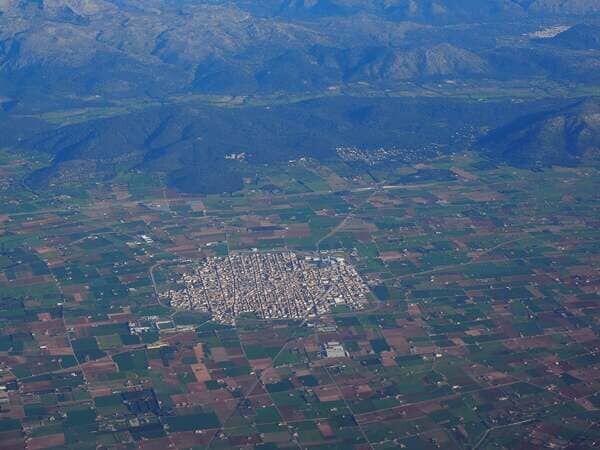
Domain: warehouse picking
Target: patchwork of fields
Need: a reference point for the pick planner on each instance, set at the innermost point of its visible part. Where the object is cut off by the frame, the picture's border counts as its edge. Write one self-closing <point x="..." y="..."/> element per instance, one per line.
<point x="483" y="330"/>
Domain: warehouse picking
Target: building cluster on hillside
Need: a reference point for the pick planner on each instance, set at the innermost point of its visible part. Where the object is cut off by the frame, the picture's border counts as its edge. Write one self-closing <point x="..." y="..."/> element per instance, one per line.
<point x="280" y="285"/>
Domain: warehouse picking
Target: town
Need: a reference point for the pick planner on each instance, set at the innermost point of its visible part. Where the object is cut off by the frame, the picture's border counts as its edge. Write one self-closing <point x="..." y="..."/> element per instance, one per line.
<point x="274" y="285"/>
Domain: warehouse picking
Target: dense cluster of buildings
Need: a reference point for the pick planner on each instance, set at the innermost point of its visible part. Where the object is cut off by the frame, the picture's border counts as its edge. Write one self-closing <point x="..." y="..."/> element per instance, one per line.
<point x="374" y="156"/>
<point x="281" y="285"/>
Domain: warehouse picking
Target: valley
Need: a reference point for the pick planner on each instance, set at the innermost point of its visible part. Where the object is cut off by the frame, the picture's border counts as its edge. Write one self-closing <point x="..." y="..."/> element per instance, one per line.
<point x="480" y="331"/>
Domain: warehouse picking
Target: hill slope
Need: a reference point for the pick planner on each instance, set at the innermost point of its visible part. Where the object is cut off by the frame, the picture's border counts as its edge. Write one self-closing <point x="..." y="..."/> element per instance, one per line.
<point x="564" y="136"/>
<point x="188" y="143"/>
<point x="578" y="37"/>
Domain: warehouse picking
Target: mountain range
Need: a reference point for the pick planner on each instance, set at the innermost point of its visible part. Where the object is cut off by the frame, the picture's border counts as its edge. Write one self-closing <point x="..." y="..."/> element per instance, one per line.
<point x="173" y="86"/>
<point x="124" y="48"/>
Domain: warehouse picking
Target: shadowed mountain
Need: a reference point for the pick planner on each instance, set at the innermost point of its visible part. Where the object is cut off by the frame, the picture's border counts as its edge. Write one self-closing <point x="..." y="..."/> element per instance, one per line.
<point x="578" y="37"/>
<point x="565" y="136"/>
<point x="189" y="144"/>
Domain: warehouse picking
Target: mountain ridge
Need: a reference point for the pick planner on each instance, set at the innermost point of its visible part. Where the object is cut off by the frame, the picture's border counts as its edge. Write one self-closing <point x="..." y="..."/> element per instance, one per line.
<point x="565" y="136"/>
<point x="158" y="48"/>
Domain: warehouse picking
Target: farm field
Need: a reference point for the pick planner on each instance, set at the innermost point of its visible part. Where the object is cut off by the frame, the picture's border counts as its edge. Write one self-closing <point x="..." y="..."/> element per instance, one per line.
<point x="482" y="328"/>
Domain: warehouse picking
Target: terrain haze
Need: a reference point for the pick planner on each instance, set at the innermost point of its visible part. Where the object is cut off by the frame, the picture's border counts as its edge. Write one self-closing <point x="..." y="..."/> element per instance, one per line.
<point x="299" y="224"/>
<point x="106" y="86"/>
